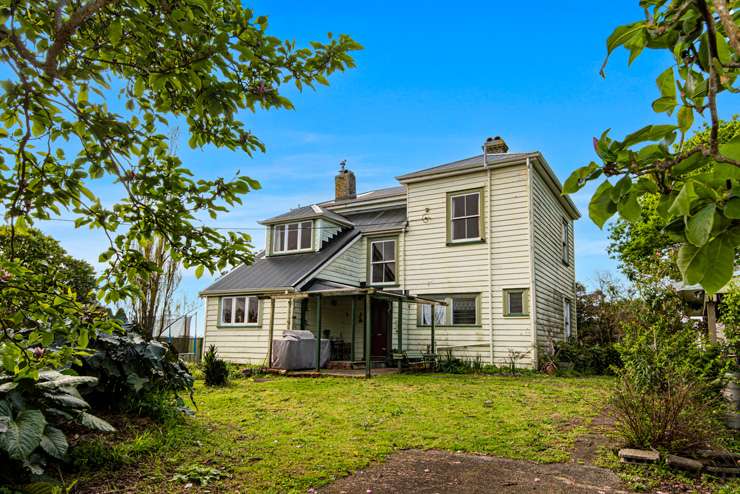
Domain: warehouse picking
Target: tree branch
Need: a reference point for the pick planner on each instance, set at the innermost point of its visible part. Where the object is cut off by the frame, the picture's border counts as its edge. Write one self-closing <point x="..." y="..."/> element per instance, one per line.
<point x="729" y="24"/>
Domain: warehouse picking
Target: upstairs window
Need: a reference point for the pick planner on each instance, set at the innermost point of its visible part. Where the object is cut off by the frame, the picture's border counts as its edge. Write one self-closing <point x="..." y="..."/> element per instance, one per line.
<point x="565" y="236"/>
<point x="292" y="237"/>
<point x="239" y="311"/>
<point x="464" y="216"/>
<point x="382" y="262"/>
<point x="516" y="302"/>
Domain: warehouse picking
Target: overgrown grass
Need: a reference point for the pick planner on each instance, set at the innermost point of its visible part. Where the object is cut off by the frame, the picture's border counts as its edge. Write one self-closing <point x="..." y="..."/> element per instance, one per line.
<point x="288" y="434"/>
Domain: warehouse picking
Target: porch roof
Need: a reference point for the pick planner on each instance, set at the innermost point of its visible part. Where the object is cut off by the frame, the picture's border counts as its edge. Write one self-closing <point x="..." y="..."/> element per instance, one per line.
<point x="326" y="288"/>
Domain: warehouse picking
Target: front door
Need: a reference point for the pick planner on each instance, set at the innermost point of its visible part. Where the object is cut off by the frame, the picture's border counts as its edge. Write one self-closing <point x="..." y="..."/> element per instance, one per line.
<point x="380" y="311"/>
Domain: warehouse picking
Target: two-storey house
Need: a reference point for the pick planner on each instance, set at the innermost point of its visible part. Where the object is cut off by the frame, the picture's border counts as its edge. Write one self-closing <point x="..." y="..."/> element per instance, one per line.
<point x="474" y="257"/>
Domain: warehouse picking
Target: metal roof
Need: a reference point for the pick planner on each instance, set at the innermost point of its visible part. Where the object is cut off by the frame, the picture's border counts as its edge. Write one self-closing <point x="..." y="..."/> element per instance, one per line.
<point x="305" y="213"/>
<point x="279" y="272"/>
<point x="371" y="195"/>
<point x="472" y="162"/>
<point x="376" y="221"/>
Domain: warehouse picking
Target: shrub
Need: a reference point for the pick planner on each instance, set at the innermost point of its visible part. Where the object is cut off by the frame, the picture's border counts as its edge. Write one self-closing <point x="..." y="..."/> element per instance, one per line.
<point x="33" y="415"/>
<point x="598" y="359"/>
<point x="136" y="375"/>
<point x="667" y="394"/>
<point x="215" y="370"/>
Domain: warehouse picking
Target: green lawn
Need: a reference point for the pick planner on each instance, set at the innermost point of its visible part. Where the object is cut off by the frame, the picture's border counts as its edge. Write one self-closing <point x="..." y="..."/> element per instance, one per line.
<point x="289" y="434"/>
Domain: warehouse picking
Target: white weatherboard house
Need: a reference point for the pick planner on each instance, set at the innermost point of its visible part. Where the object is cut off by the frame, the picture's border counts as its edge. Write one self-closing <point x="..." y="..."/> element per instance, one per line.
<point x="473" y="257"/>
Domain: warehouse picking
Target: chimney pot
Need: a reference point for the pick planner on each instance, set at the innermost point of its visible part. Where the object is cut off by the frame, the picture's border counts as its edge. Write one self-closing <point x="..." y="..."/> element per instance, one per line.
<point x="345" y="186"/>
<point x="495" y="145"/>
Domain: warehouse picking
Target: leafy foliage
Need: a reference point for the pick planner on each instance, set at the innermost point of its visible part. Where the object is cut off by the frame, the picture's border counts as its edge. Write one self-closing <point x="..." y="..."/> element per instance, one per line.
<point x="591" y="359"/>
<point x="33" y="413"/>
<point x="215" y="370"/>
<point x="132" y="373"/>
<point x="729" y="315"/>
<point x="701" y="211"/>
<point x="200" y="62"/>
<point x="199" y="474"/>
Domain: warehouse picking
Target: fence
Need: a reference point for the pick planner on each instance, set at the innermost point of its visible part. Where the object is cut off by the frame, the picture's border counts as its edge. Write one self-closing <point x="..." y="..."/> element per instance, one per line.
<point x="189" y="348"/>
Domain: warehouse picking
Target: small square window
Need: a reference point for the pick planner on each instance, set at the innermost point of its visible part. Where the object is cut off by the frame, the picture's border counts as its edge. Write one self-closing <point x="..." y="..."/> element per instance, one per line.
<point x="464" y="310"/>
<point x="516" y="302"/>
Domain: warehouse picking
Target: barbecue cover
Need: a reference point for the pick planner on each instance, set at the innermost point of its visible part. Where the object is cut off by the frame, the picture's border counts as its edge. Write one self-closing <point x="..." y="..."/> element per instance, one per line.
<point x="297" y="350"/>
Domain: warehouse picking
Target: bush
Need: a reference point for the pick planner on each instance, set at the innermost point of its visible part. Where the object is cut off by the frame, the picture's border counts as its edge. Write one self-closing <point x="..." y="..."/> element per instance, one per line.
<point x="136" y="375"/>
<point x="596" y="359"/>
<point x="667" y="394"/>
<point x="215" y="370"/>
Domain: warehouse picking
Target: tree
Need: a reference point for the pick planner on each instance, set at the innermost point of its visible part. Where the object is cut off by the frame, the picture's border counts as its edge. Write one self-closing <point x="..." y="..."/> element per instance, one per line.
<point x="701" y="211"/>
<point x="42" y="254"/>
<point x="646" y="253"/>
<point x="152" y="309"/>
<point x="200" y="62"/>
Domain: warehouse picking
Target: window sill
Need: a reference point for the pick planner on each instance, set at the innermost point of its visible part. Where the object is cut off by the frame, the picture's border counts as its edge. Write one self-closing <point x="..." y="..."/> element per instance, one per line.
<point x="520" y="316"/>
<point x="238" y="326"/>
<point x="384" y="285"/>
<point x="451" y="243"/>
<point x="291" y="252"/>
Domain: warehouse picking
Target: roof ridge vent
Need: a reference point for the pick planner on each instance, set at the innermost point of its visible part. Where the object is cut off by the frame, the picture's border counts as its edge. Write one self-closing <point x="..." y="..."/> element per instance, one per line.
<point x="316" y="208"/>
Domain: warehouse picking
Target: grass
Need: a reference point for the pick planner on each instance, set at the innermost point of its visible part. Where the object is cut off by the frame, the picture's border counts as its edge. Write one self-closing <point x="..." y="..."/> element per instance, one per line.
<point x="287" y="435"/>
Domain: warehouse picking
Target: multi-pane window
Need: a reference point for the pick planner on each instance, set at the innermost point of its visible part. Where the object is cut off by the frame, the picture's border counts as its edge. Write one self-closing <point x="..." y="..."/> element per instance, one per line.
<point x="465" y="216"/>
<point x="516" y="302"/>
<point x="567" y="328"/>
<point x="239" y="310"/>
<point x="461" y="310"/>
<point x="382" y="261"/>
<point x="292" y="237"/>
<point x="565" y="235"/>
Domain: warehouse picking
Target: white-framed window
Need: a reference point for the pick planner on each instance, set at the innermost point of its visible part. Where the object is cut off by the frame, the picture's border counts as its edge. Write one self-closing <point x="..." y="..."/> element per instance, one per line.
<point x="292" y="237"/>
<point x="465" y="219"/>
<point x="239" y="311"/>
<point x="516" y="302"/>
<point x="565" y="239"/>
<point x="567" y="326"/>
<point x="383" y="262"/>
<point x="461" y="310"/>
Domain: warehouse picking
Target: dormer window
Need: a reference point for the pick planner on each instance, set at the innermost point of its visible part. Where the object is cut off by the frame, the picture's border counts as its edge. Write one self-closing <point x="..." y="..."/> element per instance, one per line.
<point x="292" y="237"/>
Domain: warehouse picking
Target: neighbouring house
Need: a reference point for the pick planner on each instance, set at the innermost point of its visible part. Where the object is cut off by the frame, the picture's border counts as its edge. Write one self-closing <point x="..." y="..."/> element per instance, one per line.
<point x="474" y="257"/>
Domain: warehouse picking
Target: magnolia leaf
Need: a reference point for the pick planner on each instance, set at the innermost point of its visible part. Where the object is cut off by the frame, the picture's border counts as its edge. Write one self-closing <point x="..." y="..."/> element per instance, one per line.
<point x="700" y="225"/>
<point x="731" y="149"/>
<point x="629" y="208"/>
<point x="685" y="118"/>
<point x="667" y="84"/>
<point x="691" y="264"/>
<point x="601" y="207"/>
<point x="23" y="434"/>
<point x="732" y="208"/>
<point x="54" y="442"/>
<point x="682" y="203"/>
<point x="96" y="423"/>
<point x="649" y="133"/>
<point x="720" y="254"/>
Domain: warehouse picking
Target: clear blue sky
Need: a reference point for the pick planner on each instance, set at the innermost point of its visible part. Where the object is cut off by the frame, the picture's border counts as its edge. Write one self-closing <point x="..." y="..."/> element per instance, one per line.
<point x="433" y="81"/>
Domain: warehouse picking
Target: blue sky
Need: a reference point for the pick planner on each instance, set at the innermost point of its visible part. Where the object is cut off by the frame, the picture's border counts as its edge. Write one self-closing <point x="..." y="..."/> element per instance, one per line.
<point x="430" y="85"/>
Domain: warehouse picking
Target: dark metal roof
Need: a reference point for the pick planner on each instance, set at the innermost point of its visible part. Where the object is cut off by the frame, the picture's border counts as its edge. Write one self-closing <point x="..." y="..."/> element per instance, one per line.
<point x="307" y="212"/>
<point x="386" y="219"/>
<point x="369" y="196"/>
<point x="473" y="162"/>
<point x="285" y="271"/>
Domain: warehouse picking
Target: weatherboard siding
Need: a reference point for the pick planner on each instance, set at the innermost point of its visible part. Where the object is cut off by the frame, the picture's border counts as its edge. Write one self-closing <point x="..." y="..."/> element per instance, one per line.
<point x="554" y="280"/>
<point x="348" y="267"/>
<point x="245" y="345"/>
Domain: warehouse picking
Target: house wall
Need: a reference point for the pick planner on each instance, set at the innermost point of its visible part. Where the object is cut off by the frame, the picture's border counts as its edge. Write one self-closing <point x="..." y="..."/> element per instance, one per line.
<point x="348" y="267"/>
<point x="248" y="344"/>
<point x="485" y="268"/>
<point x="554" y="281"/>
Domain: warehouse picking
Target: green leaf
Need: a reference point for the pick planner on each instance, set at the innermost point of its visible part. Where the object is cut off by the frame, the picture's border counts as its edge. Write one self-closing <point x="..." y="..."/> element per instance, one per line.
<point x="731" y="149"/>
<point x="578" y="178"/>
<point x="95" y="423"/>
<point x="54" y="442"/>
<point x="732" y="209"/>
<point x="601" y="207"/>
<point x="115" y="32"/>
<point x="685" y="118"/>
<point x="691" y="263"/>
<point x="667" y="84"/>
<point x="199" y="271"/>
<point x="649" y="133"/>
<point x="664" y="105"/>
<point x="629" y="208"/>
<point x="720" y="254"/>
<point x="700" y="225"/>
<point x="23" y="434"/>
<point x="682" y="203"/>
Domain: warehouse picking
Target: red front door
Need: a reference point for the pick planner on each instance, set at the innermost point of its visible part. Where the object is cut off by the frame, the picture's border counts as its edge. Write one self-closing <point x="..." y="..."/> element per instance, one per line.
<point x="380" y="311"/>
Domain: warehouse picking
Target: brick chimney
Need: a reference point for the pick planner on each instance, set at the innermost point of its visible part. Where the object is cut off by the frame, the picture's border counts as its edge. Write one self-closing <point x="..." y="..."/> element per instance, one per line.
<point x="345" y="186"/>
<point x="495" y="145"/>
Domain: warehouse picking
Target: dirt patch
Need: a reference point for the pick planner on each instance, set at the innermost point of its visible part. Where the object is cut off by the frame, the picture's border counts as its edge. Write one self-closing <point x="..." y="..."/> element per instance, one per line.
<point x="586" y="447"/>
<point x="459" y="473"/>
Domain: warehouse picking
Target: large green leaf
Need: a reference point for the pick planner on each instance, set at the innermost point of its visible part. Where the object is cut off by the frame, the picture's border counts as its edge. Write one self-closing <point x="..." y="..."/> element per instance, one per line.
<point x="700" y="225"/>
<point x="54" y="442"/>
<point x="720" y="254"/>
<point x="691" y="263"/>
<point x="602" y="207"/>
<point x="24" y="434"/>
<point x="732" y="208"/>
<point x="63" y="380"/>
<point x="649" y="133"/>
<point x="96" y="423"/>
<point x="681" y="205"/>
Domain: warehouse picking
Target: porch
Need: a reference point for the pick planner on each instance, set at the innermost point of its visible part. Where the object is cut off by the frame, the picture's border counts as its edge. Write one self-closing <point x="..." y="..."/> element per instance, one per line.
<point x="363" y="325"/>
